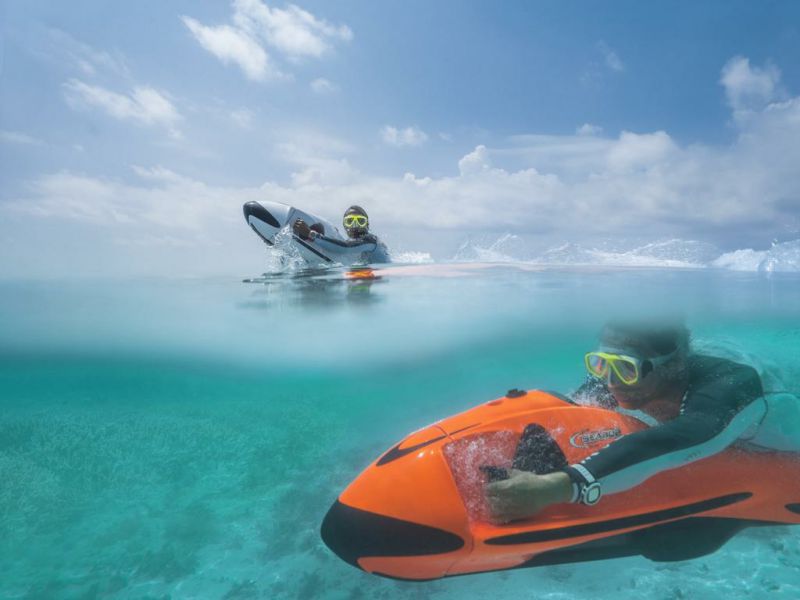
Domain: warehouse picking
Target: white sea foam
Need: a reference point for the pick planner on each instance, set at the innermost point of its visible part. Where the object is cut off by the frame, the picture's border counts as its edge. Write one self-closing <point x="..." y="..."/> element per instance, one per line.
<point x="740" y="260"/>
<point x="510" y="248"/>
<point x="507" y="248"/>
<point x="673" y="254"/>
<point x="412" y="258"/>
<point x="782" y="258"/>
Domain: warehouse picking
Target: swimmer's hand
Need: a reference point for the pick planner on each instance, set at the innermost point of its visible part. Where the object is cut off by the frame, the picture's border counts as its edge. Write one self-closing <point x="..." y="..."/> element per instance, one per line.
<point x="524" y="494"/>
<point x="301" y="229"/>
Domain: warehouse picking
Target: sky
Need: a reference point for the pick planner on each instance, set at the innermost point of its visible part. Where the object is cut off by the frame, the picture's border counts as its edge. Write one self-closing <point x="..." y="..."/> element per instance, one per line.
<point x="132" y="133"/>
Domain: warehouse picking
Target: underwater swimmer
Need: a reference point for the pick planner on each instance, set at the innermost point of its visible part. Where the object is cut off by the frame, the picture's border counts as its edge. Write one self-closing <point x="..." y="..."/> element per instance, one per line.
<point x="701" y="405"/>
<point x="360" y="240"/>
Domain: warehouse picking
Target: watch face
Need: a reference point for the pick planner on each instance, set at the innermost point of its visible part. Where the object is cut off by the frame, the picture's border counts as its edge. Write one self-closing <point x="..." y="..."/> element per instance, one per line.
<point x="592" y="493"/>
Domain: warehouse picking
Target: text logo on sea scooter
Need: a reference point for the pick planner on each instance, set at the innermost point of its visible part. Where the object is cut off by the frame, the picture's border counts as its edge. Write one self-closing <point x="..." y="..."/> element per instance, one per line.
<point x="586" y="438"/>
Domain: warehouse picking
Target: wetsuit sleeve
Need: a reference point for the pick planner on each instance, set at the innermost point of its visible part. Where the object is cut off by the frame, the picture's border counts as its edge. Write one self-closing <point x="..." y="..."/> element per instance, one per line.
<point x="365" y="244"/>
<point x="714" y="413"/>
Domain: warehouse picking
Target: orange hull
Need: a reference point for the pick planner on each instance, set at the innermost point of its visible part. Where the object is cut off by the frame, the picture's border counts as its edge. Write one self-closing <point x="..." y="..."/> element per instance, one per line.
<point x="418" y="512"/>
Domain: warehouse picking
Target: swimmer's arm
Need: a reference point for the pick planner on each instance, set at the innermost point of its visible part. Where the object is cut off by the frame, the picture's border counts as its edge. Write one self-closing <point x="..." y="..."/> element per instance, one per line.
<point x="634" y="458"/>
<point x="713" y="415"/>
<point x="343" y="243"/>
<point x="524" y="494"/>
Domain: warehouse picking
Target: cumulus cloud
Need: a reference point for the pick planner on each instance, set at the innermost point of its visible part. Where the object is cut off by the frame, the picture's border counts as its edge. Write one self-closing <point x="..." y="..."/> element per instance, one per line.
<point x="475" y="162"/>
<point x="410" y="136"/>
<point x="145" y="105"/>
<point x="573" y="187"/>
<point x="292" y="32"/>
<point x="749" y="88"/>
<point x="589" y="129"/>
<point x="161" y="201"/>
<point x="232" y="45"/>
<point x="634" y="151"/>
<point x="320" y="160"/>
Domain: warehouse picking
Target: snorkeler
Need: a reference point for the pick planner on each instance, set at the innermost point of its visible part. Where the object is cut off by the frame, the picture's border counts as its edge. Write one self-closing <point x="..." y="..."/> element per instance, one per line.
<point x="700" y="405"/>
<point x="360" y="240"/>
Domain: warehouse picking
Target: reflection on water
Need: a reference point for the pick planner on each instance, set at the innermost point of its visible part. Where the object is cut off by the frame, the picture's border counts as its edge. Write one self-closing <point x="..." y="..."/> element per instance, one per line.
<point x="315" y="288"/>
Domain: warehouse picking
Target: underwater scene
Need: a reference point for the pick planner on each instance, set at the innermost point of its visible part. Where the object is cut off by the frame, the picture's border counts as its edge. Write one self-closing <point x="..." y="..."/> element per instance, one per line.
<point x="399" y="300"/>
<point x="185" y="438"/>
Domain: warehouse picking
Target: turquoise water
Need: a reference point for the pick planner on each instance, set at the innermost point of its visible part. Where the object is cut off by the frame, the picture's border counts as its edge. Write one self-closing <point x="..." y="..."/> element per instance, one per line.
<point x="184" y="438"/>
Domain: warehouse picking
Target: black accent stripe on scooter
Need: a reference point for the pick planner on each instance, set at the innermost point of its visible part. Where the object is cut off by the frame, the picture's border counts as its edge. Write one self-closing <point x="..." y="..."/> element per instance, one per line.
<point x="314" y="250"/>
<point x="397" y="452"/>
<point x="254" y="209"/>
<point x="353" y="533"/>
<point x="795" y="508"/>
<point x="548" y="535"/>
<point x="677" y="540"/>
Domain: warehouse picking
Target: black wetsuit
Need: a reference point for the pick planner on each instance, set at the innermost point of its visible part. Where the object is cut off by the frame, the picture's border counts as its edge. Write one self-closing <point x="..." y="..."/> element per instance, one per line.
<point x="719" y="405"/>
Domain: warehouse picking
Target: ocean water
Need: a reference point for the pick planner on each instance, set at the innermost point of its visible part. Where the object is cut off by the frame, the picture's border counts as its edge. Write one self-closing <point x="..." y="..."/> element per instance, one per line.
<point x="184" y="438"/>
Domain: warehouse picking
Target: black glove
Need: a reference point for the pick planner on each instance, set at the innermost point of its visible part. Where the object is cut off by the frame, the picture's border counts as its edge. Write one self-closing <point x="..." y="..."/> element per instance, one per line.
<point x="301" y="229"/>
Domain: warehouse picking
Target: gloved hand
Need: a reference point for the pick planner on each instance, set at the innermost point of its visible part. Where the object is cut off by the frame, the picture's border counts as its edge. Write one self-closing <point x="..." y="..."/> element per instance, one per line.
<point x="301" y="229"/>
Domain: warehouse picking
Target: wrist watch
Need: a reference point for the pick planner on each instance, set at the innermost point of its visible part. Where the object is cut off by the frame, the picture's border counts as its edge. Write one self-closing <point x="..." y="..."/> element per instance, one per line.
<point x="585" y="488"/>
<point x="590" y="493"/>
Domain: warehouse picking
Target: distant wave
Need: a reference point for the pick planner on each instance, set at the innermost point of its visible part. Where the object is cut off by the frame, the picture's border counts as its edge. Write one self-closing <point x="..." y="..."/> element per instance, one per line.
<point x="412" y="258"/>
<point x="675" y="253"/>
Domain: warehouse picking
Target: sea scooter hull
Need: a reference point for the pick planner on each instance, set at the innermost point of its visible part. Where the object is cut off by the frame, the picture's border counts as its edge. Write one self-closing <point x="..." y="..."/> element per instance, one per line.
<point x="268" y="219"/>
<point x="419" y="511"/>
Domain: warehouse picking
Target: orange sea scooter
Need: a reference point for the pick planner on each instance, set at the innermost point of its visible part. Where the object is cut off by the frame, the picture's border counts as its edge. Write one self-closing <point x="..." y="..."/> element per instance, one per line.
<point x="419" y="511"/>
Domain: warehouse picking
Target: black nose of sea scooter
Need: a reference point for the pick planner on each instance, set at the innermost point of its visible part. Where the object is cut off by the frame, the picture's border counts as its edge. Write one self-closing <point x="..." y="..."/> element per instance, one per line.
<point x="353" y="534"/>
<point x="253" y="210"/>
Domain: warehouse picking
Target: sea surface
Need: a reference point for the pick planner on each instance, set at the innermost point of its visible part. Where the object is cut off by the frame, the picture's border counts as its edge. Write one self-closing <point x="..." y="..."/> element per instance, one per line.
<point x="183" y="438"/>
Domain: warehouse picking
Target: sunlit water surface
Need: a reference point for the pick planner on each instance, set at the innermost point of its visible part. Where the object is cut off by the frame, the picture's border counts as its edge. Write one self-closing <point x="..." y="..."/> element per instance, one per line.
<point x="184" y="438"/>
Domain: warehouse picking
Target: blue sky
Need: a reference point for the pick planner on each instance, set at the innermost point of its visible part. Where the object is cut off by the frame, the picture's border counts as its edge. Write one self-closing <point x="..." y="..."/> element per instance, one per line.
<point x="130" y="134"/>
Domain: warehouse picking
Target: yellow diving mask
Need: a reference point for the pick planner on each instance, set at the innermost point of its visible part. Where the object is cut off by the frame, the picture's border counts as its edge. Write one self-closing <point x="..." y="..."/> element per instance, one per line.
<point x="627" y="369"/>
<point x="355" y="221"/>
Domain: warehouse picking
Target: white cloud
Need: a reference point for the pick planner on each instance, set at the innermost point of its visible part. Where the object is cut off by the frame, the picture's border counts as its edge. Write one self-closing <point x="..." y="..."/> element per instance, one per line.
<point x="88" y="60"/>
<point x="475" y="162"/>
<point x="15" y="137"/>
<point x="162" y="202"/>
<point x="321" y="159"/>
<point x="144" y="105"/>
<point x="589" y="129"/>
<point x="292" y="32"/>
<point x="410" y="136"/>
<point x="243" y="118"/>
<point x="572" y="186"/>
<point x="749" y="88"/>
<point x="611" y="59"/>
<point x="323" y="86"/>
<point x="632" y="151"/>
<point x="75" y="197"/>
<point x="597" y="69"/>
<point x="230" y="44"/>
